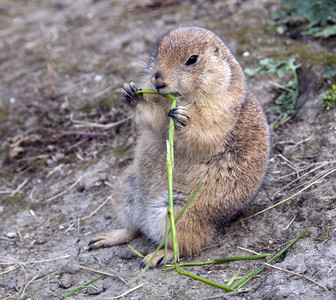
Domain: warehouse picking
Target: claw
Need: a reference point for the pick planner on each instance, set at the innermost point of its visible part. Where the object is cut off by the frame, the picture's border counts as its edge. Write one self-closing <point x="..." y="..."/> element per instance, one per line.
<point x="128" y="90"/>
<point x="133" y="87"/>
<point x="130" y="95"/>
<point x="91" y="245"/>
<point x="158" y="259"/>
<point x="180" y="115"/>
<point x="109" y="239"/>
<point x="142" y="264"/>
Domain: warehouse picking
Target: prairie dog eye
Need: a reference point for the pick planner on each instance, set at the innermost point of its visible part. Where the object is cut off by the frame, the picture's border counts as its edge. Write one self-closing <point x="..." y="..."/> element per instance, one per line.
<point x="192" y="59"/>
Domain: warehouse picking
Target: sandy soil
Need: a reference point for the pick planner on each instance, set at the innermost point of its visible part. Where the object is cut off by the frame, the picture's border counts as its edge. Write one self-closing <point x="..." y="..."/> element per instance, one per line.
<point x="62" y="64"/>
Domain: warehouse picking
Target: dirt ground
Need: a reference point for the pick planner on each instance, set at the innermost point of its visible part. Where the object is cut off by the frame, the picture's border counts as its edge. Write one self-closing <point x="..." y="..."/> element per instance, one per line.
<point x="62" y="64"/>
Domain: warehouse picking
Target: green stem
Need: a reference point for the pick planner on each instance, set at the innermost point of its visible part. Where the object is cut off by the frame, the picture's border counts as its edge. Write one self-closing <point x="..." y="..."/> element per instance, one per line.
<point x="170" y="168"/>
<point x="166" y="240"/>
<point x="148" y="92"/>
<point x="199" y="278"/>
<point x="170" y="97"/>
<point x="220" y="260"/>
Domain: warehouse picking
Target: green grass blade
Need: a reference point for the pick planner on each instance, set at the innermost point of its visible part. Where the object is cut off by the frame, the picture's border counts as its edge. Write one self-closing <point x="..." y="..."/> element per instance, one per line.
<point x="82" y="287"/>
<point x="188" y="202"/>
<point x="241" y="282"/>
<point x="202" y="279"/>
<point x="233" y="278"/>
<point x="135" y="251"/>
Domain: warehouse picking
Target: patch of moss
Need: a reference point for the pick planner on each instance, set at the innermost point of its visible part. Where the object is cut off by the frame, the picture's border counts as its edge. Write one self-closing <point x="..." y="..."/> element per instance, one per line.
<point x="245" y="34"/>
<point x="309" y="54"/>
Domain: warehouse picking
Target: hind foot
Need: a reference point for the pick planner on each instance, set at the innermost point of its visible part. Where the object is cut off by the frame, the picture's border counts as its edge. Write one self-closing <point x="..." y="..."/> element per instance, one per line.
<point x="113" y="238"/>
<point x="158" y="259"/>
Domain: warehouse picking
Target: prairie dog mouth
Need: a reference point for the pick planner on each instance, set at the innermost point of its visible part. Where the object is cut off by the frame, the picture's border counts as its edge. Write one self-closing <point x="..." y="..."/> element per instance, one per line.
<point x="165" y="91"/>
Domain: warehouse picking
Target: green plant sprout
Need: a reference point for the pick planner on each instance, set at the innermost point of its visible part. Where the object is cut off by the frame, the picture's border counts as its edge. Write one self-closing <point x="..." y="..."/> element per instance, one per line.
<point x="329" y="99"/>
<point x="288" y="93"/>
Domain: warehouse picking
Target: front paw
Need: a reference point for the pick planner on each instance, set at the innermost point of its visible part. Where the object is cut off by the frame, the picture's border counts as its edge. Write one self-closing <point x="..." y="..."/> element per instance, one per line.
<point x="180" y="115"/>
<point x="130" y="95"/>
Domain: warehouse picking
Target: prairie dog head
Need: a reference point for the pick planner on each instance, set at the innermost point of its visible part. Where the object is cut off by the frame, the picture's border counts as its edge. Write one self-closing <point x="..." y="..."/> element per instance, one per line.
<point x="191" y="61"/>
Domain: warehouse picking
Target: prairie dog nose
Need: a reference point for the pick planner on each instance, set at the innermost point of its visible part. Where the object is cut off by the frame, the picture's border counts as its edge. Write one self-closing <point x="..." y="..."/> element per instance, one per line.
<point x="158" y="81"/>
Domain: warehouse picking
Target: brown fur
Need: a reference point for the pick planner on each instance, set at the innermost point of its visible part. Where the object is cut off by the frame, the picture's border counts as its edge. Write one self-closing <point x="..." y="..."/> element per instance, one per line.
<point x="224" y="143"/>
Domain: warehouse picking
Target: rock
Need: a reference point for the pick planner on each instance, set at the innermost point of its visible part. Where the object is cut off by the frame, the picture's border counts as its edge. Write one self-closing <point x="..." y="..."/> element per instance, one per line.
<point x="65" y="281"/>
<point x="11" y="235"/>
<point x="96" y="288"/>
<point x="81" y="187"/>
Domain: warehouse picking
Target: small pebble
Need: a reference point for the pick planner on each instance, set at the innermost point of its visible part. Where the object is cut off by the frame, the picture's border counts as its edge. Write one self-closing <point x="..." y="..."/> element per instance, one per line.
<point x="65" y="281"/>
<point x="96" y="289"/>
<point x="11" y="235"/>
<point x="98" y="78"/>
<point x="40" y="241"/>
<point x="81" y="187"/>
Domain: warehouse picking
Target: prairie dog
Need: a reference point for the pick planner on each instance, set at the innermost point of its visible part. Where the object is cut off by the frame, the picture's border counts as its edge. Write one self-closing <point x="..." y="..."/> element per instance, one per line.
<point x="221" y="138"/>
